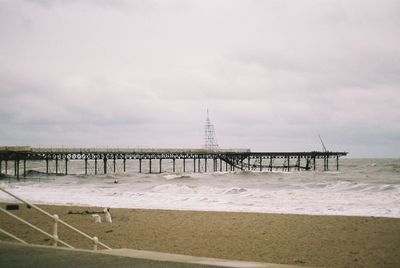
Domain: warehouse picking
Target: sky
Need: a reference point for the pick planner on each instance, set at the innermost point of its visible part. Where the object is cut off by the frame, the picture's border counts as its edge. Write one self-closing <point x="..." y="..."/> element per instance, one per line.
<point x="274" y="74"/>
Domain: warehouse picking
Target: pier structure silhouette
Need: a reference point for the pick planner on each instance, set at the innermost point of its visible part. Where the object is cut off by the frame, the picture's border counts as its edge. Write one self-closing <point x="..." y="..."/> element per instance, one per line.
<point x="13" y="160"/>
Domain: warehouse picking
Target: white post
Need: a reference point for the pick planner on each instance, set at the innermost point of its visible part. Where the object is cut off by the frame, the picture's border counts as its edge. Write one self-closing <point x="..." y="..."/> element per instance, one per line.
<point x="96" y="241"/>
<point x="55" y="230"/>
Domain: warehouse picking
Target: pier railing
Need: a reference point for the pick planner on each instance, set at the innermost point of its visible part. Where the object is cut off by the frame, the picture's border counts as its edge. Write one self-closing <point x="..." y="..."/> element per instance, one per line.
<point x="56" y="221"/>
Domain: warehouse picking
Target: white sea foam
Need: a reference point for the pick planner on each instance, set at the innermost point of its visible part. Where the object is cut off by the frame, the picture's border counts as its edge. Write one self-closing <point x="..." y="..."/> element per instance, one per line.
<point x="359" y="189"/>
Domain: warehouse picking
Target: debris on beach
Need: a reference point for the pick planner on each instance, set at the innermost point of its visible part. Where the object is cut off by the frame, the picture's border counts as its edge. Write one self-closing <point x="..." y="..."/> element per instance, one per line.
<point x="86" y="212"/>
<point x="97" y="218"/>
<point x="12" y="207"/>
<point x="107" y="215"/>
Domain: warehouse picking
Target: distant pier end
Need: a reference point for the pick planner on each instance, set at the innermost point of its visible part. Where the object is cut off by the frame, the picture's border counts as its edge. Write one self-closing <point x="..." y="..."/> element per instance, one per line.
<point x="13" y="160"/>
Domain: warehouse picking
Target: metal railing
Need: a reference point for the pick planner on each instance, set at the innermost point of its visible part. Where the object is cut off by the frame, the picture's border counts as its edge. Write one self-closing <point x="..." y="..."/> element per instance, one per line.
<point x="56" y="220"/>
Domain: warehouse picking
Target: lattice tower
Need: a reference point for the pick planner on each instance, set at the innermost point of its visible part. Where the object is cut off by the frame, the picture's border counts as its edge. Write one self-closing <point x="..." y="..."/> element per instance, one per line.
<point x="210" y="141"/>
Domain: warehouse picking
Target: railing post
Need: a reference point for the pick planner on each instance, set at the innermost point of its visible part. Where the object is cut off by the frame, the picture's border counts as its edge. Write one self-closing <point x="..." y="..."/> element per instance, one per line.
<point x="55" y="230"/>
<point x="95" y="242"/>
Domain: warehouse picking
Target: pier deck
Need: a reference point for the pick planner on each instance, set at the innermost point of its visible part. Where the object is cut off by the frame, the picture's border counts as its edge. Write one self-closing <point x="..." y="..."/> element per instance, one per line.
<point x="189" y="160"/>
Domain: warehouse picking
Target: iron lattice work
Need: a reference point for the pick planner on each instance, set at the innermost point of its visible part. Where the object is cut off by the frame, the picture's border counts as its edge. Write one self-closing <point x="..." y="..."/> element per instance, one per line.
<point x="210" y="141"/>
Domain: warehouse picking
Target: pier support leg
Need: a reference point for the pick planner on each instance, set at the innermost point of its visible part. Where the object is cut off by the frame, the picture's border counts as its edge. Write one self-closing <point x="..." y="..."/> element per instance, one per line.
<point x="173" y="165"/>
<point x="241" y="164"/>
<point x="315" y="167"/>
<point x="226" y="166"/>
<point x="184" y="165"/>
<point x="95" y="166"/>
<point x="66" y="165"/>
<point x="248" y="163"/>
<point x="56" y="164"/>
<point x="199" y="166"/>
<point x="150" y="165"/>
<point x="288" y="163"/>
<point x="337" y="162"/>
<point x="260" y="163"/>
<point x="17" y="169"/>
<point x="160" y="166"/>
<point x="140" y="165"/>
<point x="205" y="165"/>
<point x="114" y="163"/>
<point x="6" y="167"/>
<point x="124" y="164"/>
<point x="220" y="165"/>
<point x="327" y="163"/>
<point x="270" y="164"/>
<point x="47" y="166"/>
<point x="86" y="166"/>
<point x="105" y="164"/>
<point x="298" y="163"/>
<point x="194" y="165"/>
<point x="24" y="168"/>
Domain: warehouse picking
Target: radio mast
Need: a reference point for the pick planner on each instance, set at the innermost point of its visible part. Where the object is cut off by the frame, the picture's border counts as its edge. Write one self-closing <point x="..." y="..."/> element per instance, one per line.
<point x="210" y="141"/>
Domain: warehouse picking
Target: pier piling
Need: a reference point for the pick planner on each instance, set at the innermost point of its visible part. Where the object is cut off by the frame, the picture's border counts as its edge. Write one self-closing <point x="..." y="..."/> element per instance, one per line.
<point x="66" y="166"/>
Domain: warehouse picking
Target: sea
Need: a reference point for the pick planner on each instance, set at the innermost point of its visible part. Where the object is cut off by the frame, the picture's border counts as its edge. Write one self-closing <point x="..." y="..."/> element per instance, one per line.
<point x="361" y="187"/>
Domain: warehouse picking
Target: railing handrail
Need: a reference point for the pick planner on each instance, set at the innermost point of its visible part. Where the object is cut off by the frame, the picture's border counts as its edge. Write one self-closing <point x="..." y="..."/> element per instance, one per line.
<point x="13" y="236"/>
<point x="34" y="227"/>
<point x="93" y="239"/>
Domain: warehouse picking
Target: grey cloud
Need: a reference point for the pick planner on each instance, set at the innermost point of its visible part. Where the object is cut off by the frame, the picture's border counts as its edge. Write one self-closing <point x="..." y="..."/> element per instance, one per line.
<point x="274" y="74"/>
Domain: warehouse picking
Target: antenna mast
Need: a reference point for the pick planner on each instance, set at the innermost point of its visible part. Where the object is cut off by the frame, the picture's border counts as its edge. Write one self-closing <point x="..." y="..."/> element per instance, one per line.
<point x="323" y="145"/>
<point x="210" y="142"/>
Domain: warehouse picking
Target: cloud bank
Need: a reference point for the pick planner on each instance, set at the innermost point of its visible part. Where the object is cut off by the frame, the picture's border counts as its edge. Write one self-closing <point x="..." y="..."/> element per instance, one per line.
<point x="274" y="74"/>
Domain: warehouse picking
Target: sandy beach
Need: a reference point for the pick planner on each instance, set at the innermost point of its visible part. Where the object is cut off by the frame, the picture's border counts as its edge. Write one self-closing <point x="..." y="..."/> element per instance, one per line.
<point x="328" y="241"/>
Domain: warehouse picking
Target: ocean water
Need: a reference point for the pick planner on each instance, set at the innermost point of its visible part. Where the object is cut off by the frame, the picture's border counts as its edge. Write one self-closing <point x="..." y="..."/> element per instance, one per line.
<point x="362" y="187"/>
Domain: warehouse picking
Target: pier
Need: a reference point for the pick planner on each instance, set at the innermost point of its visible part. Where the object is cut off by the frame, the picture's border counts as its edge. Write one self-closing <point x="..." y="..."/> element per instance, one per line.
<point x="13" y="160"/>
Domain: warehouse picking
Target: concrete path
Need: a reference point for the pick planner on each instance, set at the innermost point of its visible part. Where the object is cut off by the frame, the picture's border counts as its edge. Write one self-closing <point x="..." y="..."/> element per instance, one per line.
<point x="15" y="255"/>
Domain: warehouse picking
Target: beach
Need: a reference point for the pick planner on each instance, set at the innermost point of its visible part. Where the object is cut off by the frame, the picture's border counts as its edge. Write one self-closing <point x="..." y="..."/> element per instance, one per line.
<point x="328" y="241"/>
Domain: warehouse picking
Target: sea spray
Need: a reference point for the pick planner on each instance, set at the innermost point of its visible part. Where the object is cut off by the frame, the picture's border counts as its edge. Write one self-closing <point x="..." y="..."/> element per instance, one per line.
<point x="362" y="187"/>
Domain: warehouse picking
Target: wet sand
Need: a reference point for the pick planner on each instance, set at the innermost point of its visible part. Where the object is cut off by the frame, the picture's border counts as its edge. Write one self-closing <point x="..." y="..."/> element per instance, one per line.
<point x="328" y="241"/>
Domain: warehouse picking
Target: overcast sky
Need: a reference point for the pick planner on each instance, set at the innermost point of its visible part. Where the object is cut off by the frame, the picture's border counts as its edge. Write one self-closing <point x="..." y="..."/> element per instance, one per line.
<point x="274" y="74"/>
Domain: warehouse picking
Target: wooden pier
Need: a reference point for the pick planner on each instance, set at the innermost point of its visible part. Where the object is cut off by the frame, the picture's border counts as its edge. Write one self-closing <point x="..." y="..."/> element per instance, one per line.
<point x="188" y="160"/>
